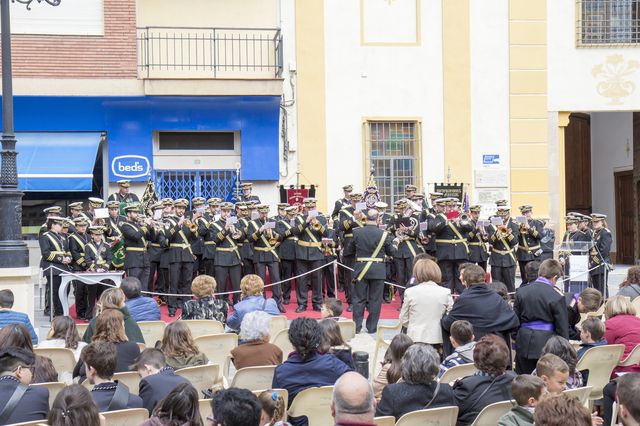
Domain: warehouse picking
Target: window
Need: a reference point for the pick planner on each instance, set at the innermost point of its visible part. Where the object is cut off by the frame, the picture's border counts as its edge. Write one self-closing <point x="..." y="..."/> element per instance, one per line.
<point x="216" y="141"/>
<point x="194" y="183"/>
<point x="393" y="149"/>
<point x="607" y="22"/>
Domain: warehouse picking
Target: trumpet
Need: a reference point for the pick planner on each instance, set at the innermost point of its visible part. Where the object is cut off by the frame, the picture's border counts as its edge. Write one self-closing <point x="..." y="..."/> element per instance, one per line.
<point x="464" y="219"/>
<point x="315" y="224"/>
<point x="235" y="233"/>
<point x="192" y="226"/>
<point x="272" y="238"/>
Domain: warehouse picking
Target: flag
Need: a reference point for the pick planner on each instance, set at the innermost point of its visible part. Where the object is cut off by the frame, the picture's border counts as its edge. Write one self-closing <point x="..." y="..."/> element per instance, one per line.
<point x="149" y="197"/>
<point x="465" y="203"/>
<point x="234" y="192"/>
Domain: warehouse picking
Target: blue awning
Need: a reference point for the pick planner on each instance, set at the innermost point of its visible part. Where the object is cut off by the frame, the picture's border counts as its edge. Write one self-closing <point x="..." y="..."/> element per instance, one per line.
<point x="56" y="161"/>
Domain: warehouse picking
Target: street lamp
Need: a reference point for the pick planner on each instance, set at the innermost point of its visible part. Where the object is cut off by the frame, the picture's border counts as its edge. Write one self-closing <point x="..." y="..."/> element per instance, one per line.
<point x="13" y="250"/>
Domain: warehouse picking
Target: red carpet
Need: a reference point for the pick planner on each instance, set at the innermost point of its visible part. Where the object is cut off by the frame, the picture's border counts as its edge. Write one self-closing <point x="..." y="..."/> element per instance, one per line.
<point x="389" y="310"/>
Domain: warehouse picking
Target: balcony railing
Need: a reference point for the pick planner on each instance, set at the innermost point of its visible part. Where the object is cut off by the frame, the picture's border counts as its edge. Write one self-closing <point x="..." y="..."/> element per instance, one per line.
<point x="181" y="52"/>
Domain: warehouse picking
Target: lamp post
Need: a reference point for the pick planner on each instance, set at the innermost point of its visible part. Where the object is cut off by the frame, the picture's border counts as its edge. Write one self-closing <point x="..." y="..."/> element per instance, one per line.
<point x="13" y="250"/>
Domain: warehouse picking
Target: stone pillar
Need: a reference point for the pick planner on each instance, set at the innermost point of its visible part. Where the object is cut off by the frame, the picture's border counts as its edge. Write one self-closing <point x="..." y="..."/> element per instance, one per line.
<point x="20" y="281"/>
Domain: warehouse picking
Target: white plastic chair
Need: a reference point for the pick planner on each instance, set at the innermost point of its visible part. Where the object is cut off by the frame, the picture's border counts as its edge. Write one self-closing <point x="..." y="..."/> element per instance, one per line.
<point x="600" y="361"/>
<point x="314" y="403"/>
<point x="131" y="416"/>
<point x="443" y="416"/>
<point x="254" y="378"/>
<point x="490" y="414"/>
<point x="458" y="372"/>
<point x="204" y="327"/>
<point x="152" y="331"/>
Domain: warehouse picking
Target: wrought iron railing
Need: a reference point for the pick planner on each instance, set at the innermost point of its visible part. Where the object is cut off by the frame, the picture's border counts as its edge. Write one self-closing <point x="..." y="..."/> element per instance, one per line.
<point x="194" y="183"/>
<point x="606" y="23"/>
<point x="192" y="52"/>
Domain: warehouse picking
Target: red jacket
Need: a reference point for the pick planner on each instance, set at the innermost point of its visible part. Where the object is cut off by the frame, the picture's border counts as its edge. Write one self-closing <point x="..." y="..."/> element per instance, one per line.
<point x="624" y="330"/>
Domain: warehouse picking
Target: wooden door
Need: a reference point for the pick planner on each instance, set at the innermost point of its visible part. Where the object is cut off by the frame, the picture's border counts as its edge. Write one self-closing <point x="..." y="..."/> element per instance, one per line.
<point x="578" y="163"/>
<point x="623" y="185"/>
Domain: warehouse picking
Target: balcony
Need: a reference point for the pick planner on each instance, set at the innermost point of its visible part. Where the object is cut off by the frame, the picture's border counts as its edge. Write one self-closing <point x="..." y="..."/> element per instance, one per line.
<point x="209" y="53"/>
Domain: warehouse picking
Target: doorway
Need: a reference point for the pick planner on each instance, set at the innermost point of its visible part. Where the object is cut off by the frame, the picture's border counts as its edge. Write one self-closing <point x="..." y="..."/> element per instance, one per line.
<point x="578" y="164"/>
<point x="623" y="186"/>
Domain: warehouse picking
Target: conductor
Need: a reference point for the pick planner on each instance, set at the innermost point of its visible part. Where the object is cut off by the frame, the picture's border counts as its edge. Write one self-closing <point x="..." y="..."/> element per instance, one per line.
<point x="371" y="245"/>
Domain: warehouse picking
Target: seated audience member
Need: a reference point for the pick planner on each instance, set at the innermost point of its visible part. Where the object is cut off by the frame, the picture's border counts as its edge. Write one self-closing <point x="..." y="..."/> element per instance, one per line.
<point x="9" y="316"/>
<point x="179" y="348"/>
<point x="256" y="349"/>
<point x="463" y="343"/>
<point x="110" y="329"/>
<point x="391" y="365"/>
<point x="205" y="306"/>
<point x="527" y="391"/>
<point x="554" y="372"/>
<point x="589" y="300"/>
<point x="44" y="371"/>
<point x="481" y="306"/>
<point x="74" y="406"/>
<point x="417" y="391"/>
<point x="630" y="287"/>
<point x="64" y="334"/>
<point x="425" y="303"/>
<point x="352" y="402"/>
<point x="531" y="273"/>
<point x="141" y="308"/>
<point x="542" y="311"/>
<point x="113" y="299"/>
<point x="622" y="326"/>
<point x="628" y="401"/>
<point x="562" y="348"/>
<point x="332" y="309"/>
<point x="100" y="359"/>
<point x="179" y="407"/>
<point x="235" y="407"/>
<point x="591" y="334"/>
<point x="15" y="335"/>
<point x="561" y="410"/>
<point x="16" y="373"/>
<point x="500" y="288"/>
<point x="252" y="299"/>
<point x="332" y="342"/>
<point x="306" y="367"/>
<point x="491" y="383"/>
<point x="157" y="379"/>
<point x="273" y="409"/>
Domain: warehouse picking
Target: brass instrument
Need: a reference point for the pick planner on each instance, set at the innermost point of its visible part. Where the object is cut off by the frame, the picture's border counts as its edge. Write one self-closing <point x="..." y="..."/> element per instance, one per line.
<point x="272" y="238"/>
<point x="464" y="219"/>
<point x="360" y="217"/>
<point x="315" y="224"/>
<point x="192" y="226"/>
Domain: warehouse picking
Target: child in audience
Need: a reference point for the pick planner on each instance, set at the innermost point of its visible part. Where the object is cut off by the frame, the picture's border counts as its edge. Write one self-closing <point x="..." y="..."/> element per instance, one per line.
<point x="391" y="370"/>
<point x="179" y="348"/>
<point x="554" y="372"/>
<point x="561" y="347"/>
<point x="591" y="335"/>
<point x="527" y="391"/>
<point x="332" y="342"/>
<point x="64" y="334"/>
<point x="462" y="340"/>
<point x="332" y="309"/>
<point x="273" y="411"/>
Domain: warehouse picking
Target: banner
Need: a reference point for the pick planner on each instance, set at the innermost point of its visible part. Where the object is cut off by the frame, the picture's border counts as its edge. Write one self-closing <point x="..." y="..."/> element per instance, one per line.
<point x="296" y="195"/>
<point x="449" y="190"/>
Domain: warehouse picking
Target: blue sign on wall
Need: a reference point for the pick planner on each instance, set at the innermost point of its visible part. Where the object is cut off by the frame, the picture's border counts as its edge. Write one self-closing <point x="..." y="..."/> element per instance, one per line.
<point x="491" y="159"/>
<point x="130" y="122"/>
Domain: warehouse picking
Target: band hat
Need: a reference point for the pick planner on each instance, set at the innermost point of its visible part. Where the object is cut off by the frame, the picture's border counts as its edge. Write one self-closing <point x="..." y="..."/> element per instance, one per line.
<point x="197" y="201"/>
<point x="291" y="209"/>
<point x="241" y="206"/>
<point x="67" y="223"/>
<point x="251" y="204"/>
<point x="504" y="208"/>
<point x="156" y="206"/>
<point x="451" y="201"/>
<point x="417" y="197"/>
<point x="181" y="202"/>
<point x="132" y="208"/>
<point x="124" y="183"/>
<point x="572" y="219"/>
<point x="56" y="219"/>
<point x="440" y="201"/>
<point x="310" y="201"/>
<point x="381" y="205"/>
<point x="476" y="208"/>
<point x="263" y="208"/>
<point x="96" y="202"/>
<point x="355" y="196"/>
<point x="410" y="187"/>
<point x="525" y="208"/>
<point x="246" y="185"/>
<point x="500" y="203"/>
<point x="80" y="221"/>
<point x="53" y="209"/>
<point x="598" y="217"/>
<point x="347" y="188"/>
<point x="96" y="230"/>
<point x="435" y="195"/>
<point x="401" y="204"/>
<point x="214" y="201"/>
<point x="76" y="206"/>
<point x="113" y="204"/>
<point x="226" y="206"/>
<point x="282" y="206"/>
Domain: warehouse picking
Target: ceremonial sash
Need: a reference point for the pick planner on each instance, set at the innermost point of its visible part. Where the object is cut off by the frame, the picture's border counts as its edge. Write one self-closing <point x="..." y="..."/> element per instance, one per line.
<point x="374" y="255"/>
